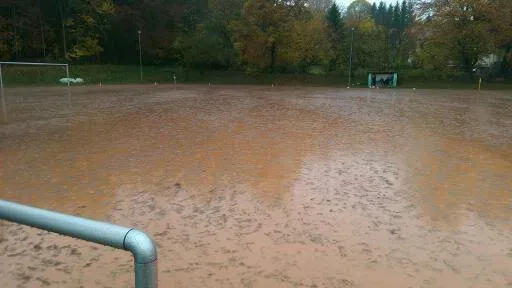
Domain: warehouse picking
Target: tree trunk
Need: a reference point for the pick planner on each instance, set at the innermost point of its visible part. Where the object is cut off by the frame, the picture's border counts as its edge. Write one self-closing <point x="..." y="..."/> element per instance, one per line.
<point x="506" y="67"/>
<point x="63" y="31"/>
<point x="41" y="26"/>
<point x="468" y="65"/>
<point x="15" y="39"/>
<point x="386" y="48"/>
<point x="273" y="52"/>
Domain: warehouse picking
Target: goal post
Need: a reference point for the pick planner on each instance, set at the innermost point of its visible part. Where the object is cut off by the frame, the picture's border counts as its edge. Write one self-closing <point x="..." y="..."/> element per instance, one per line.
<point x="2" y="92"/>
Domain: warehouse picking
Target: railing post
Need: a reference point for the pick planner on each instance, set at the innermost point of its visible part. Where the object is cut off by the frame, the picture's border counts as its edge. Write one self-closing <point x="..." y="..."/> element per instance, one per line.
<point x="135" y="241"/>
<point x="144" y="252"/>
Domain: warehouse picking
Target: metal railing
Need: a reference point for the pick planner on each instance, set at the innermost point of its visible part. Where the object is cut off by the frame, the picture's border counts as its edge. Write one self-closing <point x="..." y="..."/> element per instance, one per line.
<point x="135" y="241"/>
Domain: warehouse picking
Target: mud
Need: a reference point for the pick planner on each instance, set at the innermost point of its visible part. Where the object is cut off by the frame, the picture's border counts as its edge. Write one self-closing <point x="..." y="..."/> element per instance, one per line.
<point x="263" y="187"/>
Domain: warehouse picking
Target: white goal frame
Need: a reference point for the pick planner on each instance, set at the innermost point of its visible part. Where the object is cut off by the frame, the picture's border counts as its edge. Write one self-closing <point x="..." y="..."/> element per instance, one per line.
<point x="2" y="94"/>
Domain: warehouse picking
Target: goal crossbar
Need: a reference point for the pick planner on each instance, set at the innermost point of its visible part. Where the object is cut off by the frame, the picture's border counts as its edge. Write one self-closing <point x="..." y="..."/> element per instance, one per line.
<point x="2" y="94"/>
<point x="33" y="63"/>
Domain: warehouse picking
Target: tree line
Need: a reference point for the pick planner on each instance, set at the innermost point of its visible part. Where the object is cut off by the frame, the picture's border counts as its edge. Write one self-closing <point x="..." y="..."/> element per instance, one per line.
<point x="259" y="36"/>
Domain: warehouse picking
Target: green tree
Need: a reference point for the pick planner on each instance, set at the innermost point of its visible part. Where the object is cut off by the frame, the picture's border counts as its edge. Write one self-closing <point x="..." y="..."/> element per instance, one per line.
<point x="404" y="16"/>
<point x="333" y="18"/>
<point x="221" y="13"/>
<point x="335" y="30"/>
<point x="388" y="18"/>
<point x="369" y="51"/>
<point x="396" y="20"/>
<point x="198" y="49"/>
<point x="373" y="10"/>
<point x="381" y="14"/>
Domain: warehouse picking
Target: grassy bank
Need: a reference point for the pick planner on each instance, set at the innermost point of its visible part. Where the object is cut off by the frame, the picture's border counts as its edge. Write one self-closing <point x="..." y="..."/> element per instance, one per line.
<point x="118" y="74"/>
<point x="122" y="74"/>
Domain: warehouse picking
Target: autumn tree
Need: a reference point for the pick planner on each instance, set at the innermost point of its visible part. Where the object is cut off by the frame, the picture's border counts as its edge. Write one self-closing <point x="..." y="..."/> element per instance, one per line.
<point x="499" y="13"/>
<point x="90" y="27"/>
<point x="460" y="28"/>
<point x="258" y="33"/>
<point x="306" y="44"/>
<point x="358" y="11"/>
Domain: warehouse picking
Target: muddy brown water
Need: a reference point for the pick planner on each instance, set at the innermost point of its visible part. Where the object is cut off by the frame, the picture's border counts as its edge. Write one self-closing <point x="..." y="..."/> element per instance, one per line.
<point x="264" y="187"/>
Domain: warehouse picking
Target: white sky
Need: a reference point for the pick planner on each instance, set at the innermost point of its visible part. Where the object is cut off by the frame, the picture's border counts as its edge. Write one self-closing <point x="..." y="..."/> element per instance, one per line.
<point x="345" y="3"/>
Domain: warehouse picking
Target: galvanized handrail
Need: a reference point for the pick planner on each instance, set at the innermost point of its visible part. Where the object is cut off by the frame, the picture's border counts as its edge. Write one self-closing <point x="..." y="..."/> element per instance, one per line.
<point x="135" y="241"/>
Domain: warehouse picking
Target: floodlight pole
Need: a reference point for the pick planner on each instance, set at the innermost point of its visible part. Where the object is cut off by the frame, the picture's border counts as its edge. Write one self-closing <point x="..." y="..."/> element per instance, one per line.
<point x="2" y="98"/>
<point x="140" y="56"/>
<point x="350" y="62"/>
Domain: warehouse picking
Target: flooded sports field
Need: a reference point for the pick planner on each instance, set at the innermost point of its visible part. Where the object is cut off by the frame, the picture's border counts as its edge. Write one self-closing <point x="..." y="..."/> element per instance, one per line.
<point x="244" y="186"/>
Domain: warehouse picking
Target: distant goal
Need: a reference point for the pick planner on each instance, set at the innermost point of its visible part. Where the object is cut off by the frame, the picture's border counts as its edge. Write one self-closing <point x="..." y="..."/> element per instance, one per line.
<point x="20" y="80"/>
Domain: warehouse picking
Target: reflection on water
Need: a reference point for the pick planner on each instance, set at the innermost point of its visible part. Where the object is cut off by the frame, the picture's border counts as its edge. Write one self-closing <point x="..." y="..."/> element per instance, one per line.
<point x="454" y="175"/>
<point x="251" y="185"/>
<point x="456" y="149"/>
<point x="460" y="159"/>
<point x="197" y="147"/>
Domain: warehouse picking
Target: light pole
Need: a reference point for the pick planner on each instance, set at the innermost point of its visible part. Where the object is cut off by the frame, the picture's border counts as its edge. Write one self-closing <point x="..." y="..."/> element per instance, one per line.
<point x="350" y="61"/>
<point x="140" y="57"/>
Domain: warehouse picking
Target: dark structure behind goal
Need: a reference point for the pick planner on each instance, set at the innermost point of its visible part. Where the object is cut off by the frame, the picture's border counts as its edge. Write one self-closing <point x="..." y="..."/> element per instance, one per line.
<point x="382" y="79"/>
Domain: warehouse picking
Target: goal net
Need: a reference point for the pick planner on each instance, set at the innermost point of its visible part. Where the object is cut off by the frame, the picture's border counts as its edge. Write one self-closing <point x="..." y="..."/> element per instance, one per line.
<point x="31" y="89"/>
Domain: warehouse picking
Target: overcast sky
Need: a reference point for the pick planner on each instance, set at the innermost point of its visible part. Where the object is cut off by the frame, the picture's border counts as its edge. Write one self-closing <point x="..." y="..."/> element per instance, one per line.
<point x="345" y="3"/>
